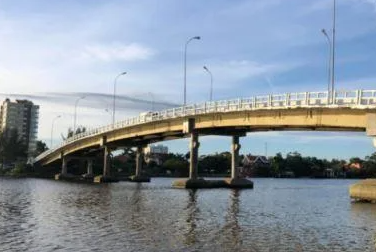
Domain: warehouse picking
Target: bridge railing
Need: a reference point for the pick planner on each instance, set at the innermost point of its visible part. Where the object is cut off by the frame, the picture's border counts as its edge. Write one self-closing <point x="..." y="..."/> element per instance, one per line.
<point x="354" y="98"/>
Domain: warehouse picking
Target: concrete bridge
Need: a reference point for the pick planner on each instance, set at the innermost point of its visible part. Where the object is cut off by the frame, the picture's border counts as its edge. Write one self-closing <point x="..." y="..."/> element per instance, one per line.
<point x="342" y="111"/>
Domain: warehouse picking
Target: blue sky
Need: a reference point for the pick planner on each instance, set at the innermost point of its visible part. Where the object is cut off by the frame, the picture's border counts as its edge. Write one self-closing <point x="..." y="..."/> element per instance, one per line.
<point x="54" y="51"/>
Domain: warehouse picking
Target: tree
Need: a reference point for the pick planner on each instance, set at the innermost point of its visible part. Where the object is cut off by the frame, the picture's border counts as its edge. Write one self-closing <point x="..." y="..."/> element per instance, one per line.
<point x="11" y="146"/>
<point x="177" y="166"/>
<point x="41" y="147"/>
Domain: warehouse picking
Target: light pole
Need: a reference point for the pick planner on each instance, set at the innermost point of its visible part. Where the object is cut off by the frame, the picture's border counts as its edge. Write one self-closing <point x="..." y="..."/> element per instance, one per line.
<point x="113" y="107"/>
<point x="333" y="47"/>
<point x="52" y="128"/>
<point x="185" y="66"/>
<point x="75" y="113"/>
<point x="330" y="61"/>
<point x="211" y="82"/>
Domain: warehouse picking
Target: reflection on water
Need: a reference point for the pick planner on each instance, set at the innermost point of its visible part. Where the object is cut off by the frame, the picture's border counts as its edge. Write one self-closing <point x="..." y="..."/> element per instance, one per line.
<point x="278" y="215"/>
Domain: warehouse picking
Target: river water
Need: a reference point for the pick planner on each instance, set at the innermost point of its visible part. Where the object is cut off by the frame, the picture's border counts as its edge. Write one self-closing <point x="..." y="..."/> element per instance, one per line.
<point x="277" y="215"/>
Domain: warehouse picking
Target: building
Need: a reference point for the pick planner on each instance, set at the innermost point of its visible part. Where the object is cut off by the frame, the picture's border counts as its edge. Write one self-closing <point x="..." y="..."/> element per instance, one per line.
<point x="154" y="153"/>
<point x="156" y="149"/>
<point x="22" y="115"/>
<point x="255" y="165"/>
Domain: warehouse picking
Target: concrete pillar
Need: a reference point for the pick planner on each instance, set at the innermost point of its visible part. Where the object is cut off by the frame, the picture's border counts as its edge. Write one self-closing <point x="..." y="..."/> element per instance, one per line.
<point x="235" y="147"/>
<point x="90" y="167"/>
<point x="193" y="158"/>
<point x="139" y="160"/>
<point x="106" y="161"/>
<point x="64" y="169"/>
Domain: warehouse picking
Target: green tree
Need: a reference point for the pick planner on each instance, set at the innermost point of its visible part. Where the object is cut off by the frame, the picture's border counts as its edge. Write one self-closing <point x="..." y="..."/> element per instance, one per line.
<point x="177" y="166"/>
<point x="11" y="146"/>
<point x="41" y="147"/>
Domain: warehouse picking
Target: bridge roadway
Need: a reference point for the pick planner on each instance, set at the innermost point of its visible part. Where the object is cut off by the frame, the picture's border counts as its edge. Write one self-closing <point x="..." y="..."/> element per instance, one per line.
<point x="344" y="111"/>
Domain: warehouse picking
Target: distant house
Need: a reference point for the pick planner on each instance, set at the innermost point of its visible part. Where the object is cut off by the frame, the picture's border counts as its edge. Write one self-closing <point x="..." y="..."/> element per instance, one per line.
<point x="356" y="166"/>
<point x="253" y="165"/>
<point x="155" y="153"/>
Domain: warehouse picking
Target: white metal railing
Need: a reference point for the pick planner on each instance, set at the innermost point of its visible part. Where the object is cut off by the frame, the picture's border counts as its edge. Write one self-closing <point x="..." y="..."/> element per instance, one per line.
<point x="357" y="98"/>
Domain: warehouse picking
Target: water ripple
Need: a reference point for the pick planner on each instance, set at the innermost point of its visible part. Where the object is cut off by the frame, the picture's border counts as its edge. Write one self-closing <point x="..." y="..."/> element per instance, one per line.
<point x="278" y="215"/>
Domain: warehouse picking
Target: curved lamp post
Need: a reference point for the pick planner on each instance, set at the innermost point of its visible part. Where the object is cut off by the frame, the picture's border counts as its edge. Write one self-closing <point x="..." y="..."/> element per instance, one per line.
<point x="75" y="113"/>
<point x="185" y="66"/>
<point x="333" y="47"/>
<point x="330" y="60"/>
<point x="52" y="128"/>
<point x="211" y="82"/>
<point x="113" y="105"/>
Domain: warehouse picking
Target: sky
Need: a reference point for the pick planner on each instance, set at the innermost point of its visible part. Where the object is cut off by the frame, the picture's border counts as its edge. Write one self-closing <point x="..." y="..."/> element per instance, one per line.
<point x="54" y="52"/>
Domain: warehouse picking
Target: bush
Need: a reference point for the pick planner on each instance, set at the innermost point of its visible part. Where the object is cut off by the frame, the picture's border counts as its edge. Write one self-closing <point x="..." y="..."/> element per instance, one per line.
<point x="19" y="168"/>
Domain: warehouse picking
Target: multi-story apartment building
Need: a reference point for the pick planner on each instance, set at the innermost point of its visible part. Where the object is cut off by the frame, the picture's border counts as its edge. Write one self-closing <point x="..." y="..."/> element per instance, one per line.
<point x="22" y="115"/>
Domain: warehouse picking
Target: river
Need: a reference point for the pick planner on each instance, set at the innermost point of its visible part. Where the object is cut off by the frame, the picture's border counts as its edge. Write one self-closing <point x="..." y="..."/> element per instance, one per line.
<point x="277" y="215"/>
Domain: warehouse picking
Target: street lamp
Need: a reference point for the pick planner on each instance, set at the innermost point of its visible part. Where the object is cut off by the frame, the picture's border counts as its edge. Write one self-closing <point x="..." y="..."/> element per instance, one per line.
<point x="211" y="82"/>
<point x="52" y="128"/>
<point x="113" y="107"/>
<point x="333" y="46"/>
<point x="185" y="66"/>
<point x="330" y="60"/>
<point x="75" y="113"/>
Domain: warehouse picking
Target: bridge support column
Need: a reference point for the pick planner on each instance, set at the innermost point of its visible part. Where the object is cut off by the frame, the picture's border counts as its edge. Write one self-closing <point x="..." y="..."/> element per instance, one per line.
<point x="193" y="181"/>
<point x="193" y="157"/>
<point x="106" y="176"/>
<point x="90" y="167"/>
<point x="64" y="169"/>
<point x="236" y="181"/>
<point x="235" y="147"/>
<point x="106" y="162"/>
<point x="138" y="177"/>
<point x="89" y="174"/>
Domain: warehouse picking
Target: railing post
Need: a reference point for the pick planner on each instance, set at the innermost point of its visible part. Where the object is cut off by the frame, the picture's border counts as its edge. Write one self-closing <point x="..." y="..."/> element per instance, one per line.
<point x="239" y="104"/>
<point x="287" y="102"/>
<point x="270" y="101"/>
<point x="359" y="96"/>
<point x="254" y="102"/>
<point x="306" y="98"/>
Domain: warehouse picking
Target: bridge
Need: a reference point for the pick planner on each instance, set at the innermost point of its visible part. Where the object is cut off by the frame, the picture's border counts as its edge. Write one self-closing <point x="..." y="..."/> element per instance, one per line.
<point x="321" y="111"/>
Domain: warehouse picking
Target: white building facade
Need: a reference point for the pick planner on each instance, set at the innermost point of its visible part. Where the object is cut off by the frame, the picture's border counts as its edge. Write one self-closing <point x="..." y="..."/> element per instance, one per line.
<point x="156" y="149"/>
<point x="22" y="115"/>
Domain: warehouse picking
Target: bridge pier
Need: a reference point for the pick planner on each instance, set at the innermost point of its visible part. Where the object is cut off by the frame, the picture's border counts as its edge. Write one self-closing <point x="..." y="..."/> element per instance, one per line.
<point x="64" y="169"/>
<point x="106" y="176"/>
<point x="193" y="157"/>
<point x="106" y="162"/>
<point x="235" y="147"/>
<point x="89" y="165"/>
<point x="138" y="177"/>
<point x="193" y="181"/>
<point x="236" y="181"/>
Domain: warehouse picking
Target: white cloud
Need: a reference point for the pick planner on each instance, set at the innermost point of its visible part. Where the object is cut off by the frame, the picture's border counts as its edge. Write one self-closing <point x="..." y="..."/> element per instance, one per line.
<point x="116" y="51"/>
